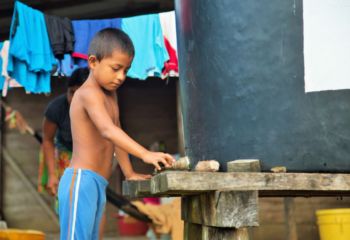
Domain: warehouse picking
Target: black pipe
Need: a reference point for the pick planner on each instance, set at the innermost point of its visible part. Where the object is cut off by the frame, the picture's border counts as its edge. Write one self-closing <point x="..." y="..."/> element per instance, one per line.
<point x="1" y="163"/>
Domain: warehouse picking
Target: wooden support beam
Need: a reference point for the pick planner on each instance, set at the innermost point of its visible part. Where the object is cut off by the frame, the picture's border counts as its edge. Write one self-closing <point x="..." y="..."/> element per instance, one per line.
<point x="290" y="222"/>
<point x="137" y="189"/>
<point x="192" y="231"/>
<point x="222" y="209"/>
<point x="199" y="232"/>
<point x="222" y="214"/>
<point x="209" y="233"/>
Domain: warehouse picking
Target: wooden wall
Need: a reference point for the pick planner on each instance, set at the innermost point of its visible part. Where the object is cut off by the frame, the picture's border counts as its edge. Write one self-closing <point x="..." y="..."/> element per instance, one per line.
<point x="272" y="219"/>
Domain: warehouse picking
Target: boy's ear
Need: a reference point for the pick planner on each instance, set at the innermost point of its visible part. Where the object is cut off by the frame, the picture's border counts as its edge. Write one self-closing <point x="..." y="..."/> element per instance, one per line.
<point x="92" y="61"/>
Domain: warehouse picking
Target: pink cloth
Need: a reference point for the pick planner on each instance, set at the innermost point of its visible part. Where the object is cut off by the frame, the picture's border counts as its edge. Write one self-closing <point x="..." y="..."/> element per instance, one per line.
<point x="152" y="201"/>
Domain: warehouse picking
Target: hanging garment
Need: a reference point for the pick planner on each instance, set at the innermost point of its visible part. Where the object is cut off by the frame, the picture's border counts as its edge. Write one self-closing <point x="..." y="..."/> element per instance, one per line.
<point x="61" y="35"/>
<point x="30" y="58"/>
<point x="66" y="66"/>
<point x="8" y="82"/>
<point x="2" y="78"/>
<point x="150" y="52"/>
<point x="171" y="67"/>
<point x="167" y="21"/>
<point x="85" y="30"/>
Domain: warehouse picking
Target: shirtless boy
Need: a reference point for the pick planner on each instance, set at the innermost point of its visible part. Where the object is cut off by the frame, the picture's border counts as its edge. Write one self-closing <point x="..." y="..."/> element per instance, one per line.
<point x="97" y="136"/>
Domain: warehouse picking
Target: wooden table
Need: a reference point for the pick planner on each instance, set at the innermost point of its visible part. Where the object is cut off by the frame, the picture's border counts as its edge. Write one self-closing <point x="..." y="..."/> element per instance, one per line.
<point x="222" y="205"/>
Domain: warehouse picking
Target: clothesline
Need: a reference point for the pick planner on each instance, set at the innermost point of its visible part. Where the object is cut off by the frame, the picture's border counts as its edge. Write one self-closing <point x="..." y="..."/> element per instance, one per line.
<point x="39" y="42"/>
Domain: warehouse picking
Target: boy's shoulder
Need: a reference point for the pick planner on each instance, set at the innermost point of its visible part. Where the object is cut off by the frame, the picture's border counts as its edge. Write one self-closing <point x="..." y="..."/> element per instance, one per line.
<point x="87" y="92"/>
<point x="89" y="95"/>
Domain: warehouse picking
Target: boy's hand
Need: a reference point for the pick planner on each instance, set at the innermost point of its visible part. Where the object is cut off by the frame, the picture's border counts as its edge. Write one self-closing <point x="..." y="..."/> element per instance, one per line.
<point x="52" y="185"/>
<point x="137" y="176"/>
<point x="155" y="158"/>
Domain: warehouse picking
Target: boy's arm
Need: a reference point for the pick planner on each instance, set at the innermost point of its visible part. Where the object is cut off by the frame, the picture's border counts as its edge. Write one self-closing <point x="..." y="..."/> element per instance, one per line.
<point x="49" y="130"/>
<point x="125" y="164"/>
<point x="93" y="103"/>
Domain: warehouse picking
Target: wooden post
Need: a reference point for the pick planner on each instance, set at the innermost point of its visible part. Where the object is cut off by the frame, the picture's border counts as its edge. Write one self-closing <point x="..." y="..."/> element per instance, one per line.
<point x="222" y="214"/>
<point x="291" y="225"/>
<point x="245" y="165"/>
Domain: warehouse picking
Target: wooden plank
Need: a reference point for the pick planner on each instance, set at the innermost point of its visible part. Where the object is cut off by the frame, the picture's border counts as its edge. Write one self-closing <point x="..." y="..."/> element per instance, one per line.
<point x="303" y="193"/>
<point x="195" y="182"/>
<point x="136" y="189"/>
<point x="130" y="189"/>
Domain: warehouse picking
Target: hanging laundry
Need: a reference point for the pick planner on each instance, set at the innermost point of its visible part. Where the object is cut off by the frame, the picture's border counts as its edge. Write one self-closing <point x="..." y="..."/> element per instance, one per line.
<point x="85" y="30"/>
<point x="61" y="35"/>
<point x="30" y="58"/>
<point x="168" y="23"/>
<point x="8" y="81"/>
<point x="66" y="66"/>
<point x="150" y="52"/>
<point x="2" y="78"/>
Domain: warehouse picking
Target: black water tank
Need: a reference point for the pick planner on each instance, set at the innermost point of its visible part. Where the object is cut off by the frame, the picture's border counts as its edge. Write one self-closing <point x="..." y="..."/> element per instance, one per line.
<point x="242" y="88"/>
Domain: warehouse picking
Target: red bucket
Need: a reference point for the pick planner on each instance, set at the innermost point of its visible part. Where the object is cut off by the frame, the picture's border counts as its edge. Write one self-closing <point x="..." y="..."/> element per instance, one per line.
<point x="129" y="226"/>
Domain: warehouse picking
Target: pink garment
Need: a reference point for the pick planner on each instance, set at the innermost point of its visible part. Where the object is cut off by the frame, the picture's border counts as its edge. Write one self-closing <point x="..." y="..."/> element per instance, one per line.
<point x="171" y="67"/>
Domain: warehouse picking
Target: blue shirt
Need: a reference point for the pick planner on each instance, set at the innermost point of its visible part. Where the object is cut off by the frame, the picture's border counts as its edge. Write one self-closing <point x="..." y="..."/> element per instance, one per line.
<point x="85" y="30"/>
<point x="30" y="58"/>
<point x="150" y="52"/>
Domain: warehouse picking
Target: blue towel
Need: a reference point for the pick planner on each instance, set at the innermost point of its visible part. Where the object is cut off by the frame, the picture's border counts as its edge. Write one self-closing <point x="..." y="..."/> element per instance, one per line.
<point x="30" y="55"/>
<point x="85" y="30"/>
<point x="150" y="52"/>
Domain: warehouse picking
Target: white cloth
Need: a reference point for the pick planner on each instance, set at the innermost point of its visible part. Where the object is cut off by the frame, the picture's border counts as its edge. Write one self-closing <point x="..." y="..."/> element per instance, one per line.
<point x="168" y="23"/>
<point x="9" y="82"/>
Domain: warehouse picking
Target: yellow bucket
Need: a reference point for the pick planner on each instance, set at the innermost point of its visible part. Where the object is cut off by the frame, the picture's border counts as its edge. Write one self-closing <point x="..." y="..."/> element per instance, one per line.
<point x="334" y="224"/>
<point x="17" y="234"/>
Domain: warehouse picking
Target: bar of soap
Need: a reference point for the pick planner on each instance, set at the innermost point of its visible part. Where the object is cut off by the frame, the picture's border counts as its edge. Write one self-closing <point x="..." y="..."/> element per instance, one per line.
<point x="279" y="169"/>
<point x="207" y="166"/>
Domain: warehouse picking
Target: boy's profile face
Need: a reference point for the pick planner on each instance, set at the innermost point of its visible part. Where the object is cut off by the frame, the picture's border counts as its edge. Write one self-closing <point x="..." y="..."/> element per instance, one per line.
<point x="110" y="72"/>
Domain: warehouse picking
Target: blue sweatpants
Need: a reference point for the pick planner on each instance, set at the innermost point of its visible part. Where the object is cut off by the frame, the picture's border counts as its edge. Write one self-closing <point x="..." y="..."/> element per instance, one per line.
<point x="81" y="199"/>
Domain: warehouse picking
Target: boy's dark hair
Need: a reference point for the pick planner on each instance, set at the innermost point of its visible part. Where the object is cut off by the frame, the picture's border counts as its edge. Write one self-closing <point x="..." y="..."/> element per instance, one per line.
<point x="78" y="77"/>
<point x="109" y="39"/>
